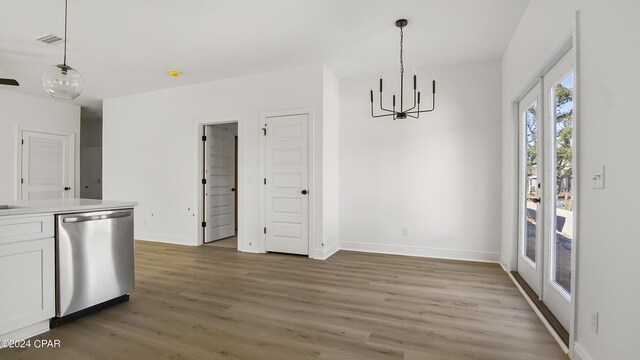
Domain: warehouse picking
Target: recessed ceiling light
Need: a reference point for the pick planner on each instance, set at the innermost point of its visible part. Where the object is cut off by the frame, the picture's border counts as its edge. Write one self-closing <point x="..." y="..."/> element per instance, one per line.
<point x="174" y="73"/>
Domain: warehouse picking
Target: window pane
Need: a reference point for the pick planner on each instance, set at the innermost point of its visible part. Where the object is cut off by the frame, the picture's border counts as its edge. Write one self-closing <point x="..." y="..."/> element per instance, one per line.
<point x="531" y="182"/>
<point x="563" y="94"/>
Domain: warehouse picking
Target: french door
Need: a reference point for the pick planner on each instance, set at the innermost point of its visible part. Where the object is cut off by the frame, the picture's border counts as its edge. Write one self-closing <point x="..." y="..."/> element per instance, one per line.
<point x="547" y="188"/>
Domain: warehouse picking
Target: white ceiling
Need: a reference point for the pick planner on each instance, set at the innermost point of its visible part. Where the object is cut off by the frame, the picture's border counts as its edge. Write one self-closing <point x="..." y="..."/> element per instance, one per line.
<point x="124" y="47"/>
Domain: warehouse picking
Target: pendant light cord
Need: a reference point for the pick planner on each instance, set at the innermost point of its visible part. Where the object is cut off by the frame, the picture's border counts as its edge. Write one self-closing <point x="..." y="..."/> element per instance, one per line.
<point x="401" y="57"/>
<point x="64" y="62"/>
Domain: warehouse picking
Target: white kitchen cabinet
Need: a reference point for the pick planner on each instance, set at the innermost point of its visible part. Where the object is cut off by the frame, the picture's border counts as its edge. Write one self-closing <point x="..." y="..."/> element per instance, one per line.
<point x="27" y="275"/>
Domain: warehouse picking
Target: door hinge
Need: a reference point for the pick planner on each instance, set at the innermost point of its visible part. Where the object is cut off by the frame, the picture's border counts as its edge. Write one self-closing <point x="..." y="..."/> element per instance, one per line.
<point x="265" y="229"/>
<point x="265" y="181"/>
<point x="204" y="224"/>
<point x="22" y="141"/>
<point x="204" y="181"/>
<point x="264" y="131"/>
<point x="204" y="138"/>
<point x="21" y="181"/>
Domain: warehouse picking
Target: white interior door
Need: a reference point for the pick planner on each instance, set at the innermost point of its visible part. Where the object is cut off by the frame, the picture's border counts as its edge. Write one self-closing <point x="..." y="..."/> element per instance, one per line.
<point x="220" y="181"/>
<point x="530" y="254"/>
<point x="48" y="165"/>
<point x="287" y="179"/>
<point x="560" y="184"/>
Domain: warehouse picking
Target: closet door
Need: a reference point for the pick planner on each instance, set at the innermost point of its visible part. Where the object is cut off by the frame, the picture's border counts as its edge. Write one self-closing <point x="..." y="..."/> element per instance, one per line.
<point x="287" y="181"/>
<point x="48" y="165"/>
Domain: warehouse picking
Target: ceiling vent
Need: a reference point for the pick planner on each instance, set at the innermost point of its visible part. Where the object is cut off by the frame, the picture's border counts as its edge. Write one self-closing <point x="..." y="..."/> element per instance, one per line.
<point x="49" y="39"/>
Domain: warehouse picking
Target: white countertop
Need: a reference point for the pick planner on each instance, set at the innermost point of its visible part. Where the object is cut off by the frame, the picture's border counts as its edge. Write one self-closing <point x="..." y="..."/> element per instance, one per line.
<point x="62" y="206"/>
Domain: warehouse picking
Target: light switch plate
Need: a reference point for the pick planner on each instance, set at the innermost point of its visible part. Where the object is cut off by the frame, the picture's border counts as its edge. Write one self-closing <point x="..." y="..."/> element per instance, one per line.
<point x="597" y="177"/>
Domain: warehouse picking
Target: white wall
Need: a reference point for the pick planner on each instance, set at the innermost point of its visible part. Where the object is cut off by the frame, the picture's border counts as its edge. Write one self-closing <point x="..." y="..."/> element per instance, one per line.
<point x="437" y="176"/>
<point x="608" y="128"/>
<point x="331" y="161"/>
<point x="151" y="147"/>
<point x="24" y="110"/>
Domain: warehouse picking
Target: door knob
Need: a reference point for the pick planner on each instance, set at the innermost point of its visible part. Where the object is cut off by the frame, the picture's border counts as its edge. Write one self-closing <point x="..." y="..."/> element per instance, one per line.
<point x="233" y="189"/>
<point x="66" y="188"/>
<point x="304" y="192"/>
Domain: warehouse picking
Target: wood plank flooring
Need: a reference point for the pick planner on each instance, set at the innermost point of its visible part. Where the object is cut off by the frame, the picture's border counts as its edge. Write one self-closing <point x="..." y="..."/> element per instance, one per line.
<point x="230" y="242"/>
<point x="215" y="303"/>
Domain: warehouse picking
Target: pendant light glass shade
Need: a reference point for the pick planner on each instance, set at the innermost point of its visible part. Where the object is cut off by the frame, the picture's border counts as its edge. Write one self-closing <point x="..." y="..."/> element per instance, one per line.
<point x="63" y="82"/>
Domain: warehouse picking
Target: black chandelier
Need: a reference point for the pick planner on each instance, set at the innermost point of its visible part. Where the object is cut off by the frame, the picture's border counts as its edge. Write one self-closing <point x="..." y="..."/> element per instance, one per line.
<point x="403" y="113"/>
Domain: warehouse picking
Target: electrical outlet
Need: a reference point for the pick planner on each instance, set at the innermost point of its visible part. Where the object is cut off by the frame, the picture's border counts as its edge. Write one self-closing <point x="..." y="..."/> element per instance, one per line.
<point x="594" y="322"/>
<point x="597" y="177"/>
<point x="405" y="232"/>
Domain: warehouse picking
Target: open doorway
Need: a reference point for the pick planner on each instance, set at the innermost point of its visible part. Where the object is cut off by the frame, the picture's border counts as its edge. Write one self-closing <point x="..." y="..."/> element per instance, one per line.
<point x="91" y="153"/>
<point x="220" y="185"/>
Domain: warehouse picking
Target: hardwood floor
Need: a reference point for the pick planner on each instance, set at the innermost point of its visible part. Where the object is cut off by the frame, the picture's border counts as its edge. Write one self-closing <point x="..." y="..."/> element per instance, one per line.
<point x="215" y="303"/>
<point x="230" y="242"/>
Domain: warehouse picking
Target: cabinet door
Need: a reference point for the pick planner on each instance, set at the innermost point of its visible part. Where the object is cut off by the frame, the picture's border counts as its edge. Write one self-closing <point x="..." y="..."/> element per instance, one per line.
<point x="27" y="278"/>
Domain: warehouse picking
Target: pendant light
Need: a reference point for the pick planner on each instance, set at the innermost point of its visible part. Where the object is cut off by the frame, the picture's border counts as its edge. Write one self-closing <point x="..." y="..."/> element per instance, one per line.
<point x="414" y="111"/>
<point x="62" y="81"/>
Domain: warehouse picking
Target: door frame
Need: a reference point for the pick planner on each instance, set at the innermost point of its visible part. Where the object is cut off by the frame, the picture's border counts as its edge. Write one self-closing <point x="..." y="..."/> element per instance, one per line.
<point x="200" y="126"/>
<point x="263" y="170"/>
<point x="73" y="148"/>
<point x="565" y="42"/>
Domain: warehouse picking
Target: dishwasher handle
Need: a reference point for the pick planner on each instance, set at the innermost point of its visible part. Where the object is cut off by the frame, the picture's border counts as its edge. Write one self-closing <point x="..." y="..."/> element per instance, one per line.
<point x="85" y="218"/>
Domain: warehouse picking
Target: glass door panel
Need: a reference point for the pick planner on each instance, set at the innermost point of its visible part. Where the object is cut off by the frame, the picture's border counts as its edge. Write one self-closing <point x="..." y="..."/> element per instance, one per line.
<point x="563" y="160"/>
<point x="532" y="197"/>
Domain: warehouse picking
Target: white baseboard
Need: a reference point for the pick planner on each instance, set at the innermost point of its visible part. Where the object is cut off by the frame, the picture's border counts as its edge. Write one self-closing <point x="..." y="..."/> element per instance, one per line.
<point x="166" y="239"/>
<point x="451" y="254"/>
<point x="26" y="332"/>
<point x="326" y="252"/>
<point x="503" y="266"/>
<point x="579" y="353"/>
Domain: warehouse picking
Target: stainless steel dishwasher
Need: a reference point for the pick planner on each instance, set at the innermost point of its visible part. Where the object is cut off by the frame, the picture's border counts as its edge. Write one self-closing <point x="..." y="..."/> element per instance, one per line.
<point x="94" y="261"/>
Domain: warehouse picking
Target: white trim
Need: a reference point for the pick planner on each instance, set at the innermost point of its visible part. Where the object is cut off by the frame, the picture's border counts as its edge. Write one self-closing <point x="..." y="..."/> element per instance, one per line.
<point x="310" y="155"/>
<point x="542" y="318"/>
<point x="326" y="252"/>
<point x="555" y="52"/>
<point x="26" y="332"/>
<point x="579" y="353"/>
<point x="73" y="146"/>
<point x="199" y="131"/>
<point x="576" y="195"/>
<point x="167" y="239"/>
<point x="450" y="254"/>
